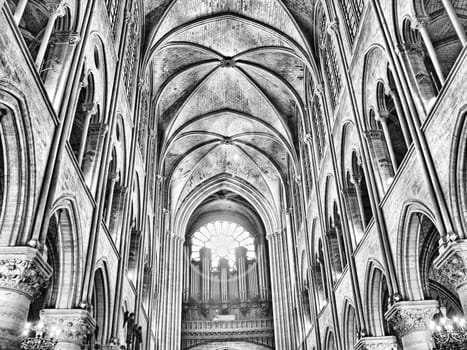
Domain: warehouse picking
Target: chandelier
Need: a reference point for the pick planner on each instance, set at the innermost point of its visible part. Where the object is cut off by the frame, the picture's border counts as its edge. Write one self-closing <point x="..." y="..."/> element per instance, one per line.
<point x="36" y="337"/>
<point x="449" y="333"/>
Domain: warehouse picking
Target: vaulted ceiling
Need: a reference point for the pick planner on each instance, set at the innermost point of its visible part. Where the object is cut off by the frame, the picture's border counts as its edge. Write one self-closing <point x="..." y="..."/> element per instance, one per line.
<point x="228" y="82"/>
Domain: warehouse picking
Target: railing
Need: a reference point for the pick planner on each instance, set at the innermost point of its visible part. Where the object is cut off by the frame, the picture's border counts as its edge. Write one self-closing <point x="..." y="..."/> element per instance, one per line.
<point x="191" y="326"/>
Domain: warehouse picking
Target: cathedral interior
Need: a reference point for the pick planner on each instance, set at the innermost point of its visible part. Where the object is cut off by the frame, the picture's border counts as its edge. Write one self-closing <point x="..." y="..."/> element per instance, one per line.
<point x="233" y="174"/>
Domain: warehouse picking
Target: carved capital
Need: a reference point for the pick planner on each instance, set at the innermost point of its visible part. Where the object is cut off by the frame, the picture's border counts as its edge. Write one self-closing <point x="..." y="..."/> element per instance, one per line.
<point x="308" y="139"/>
<point x="349" y="192"/>
<point x="55" y="7"/>
<point x="406" y="317"/>
<point x="377" y="343"/>
<point x="98" y="129"/>
<point x="451" y="265"/>
<point x="66" y="37"/>
<point x="68" y="325"/>
<point x="374" y="134"/>
<point x="421" y="22"/>
<point x="24" y="270"/>
<point x="332" y="26"/>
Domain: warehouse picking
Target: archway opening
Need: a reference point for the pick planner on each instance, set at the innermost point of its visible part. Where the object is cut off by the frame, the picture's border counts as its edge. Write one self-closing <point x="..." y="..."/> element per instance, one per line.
<point x="226" y="276"/>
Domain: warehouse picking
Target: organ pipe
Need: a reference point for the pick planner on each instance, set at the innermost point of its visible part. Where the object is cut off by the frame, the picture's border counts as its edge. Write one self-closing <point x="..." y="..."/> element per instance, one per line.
<point x="224" y="277"/>
<point x="240" y="254"/>
<point x="195" y="279"/>
<point x="262" y="269"/>
<point x="205" y="254"/>
<point x="252" y="279"/>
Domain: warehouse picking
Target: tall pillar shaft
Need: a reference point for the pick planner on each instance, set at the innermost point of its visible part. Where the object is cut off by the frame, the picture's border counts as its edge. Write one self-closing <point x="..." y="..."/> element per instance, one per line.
<point x="19" y="11"/>
<point x="171" y="296"/>
<point x="57" y="65"/>
<point x="421" y="26"/>
<point x="277" y="290"/>
<point x="56" y="10"/>
<point x="458" y="27"/>
<point x="186" y="270"/>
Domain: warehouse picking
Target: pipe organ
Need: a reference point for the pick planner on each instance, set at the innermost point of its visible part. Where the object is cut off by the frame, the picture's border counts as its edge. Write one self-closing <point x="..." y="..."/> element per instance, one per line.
<point x="239" y="289"/>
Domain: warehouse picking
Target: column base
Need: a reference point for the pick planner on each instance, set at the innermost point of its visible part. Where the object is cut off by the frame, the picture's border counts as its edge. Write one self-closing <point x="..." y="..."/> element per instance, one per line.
<point x="71" y="327"/>
<point x="377" y="343"/>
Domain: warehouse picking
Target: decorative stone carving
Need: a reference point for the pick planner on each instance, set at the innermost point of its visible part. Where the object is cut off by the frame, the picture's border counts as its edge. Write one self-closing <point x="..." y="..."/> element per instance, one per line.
<point x="66" y="37"/>
<point x="377" y="343"/>
<point x="69" y="325"/>
<point x="406" y="317"/>
<point x="451" y="265"/>
<point x="23" y="270"/>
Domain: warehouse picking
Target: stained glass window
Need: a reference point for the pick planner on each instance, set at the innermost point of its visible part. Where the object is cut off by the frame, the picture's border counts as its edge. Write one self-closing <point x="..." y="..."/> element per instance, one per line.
<point x="222" y="237"/>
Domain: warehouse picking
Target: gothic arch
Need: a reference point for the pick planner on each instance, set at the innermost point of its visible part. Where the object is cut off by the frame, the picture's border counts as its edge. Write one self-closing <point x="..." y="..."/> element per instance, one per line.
<point x="350" y="325"/>
<point x="376" y="299"/>
<point x="329" y="340"/>
<point x="458" y="173"/>
<point x="216" y="183"/>
<point x="408" y="249"/>
<point x="70" y="253"/>
<point x="101" y="301"/>
<point x="18" y="166"/>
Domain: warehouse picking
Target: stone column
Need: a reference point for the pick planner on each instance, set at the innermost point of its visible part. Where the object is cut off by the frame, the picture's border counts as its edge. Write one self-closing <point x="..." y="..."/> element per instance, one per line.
<point x="171" y="293"/>
<point x="56" y="10"/>
<point x="88" y="111"/>
<point x="380" y="155"/>
<point x="117" y="206"/>
<point x="186" y="270"/>
<point x="57" y="65"/>
<point x="23" y="273"/>
<point x="72" y="327"/>
<point x="458" y="27"/>
<point x="19" y="11"/>
<point x="113" y="178"/>
<point x="421" y="25"/>
<point x="96" y="135"/>
<point x="240" y="255"/>
<point x="451" y="269"/>
<point x="353" y="203"/>
<point x="382" y="117"/>
<point x="411" y="320"/>
<point x="377" y="343"/>
<point x="280" y="329"/>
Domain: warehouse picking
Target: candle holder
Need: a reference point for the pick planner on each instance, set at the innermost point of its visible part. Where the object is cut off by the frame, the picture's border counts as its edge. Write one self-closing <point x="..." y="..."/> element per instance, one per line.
<point x="449" y="333"/>
<point x="36" y="337"/>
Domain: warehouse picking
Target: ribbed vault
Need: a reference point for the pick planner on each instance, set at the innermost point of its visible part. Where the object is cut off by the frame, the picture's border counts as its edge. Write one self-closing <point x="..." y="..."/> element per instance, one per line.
<point x="228" y="86"/>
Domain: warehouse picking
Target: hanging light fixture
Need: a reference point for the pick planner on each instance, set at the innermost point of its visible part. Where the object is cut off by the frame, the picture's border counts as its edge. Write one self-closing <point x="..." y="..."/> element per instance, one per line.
<point x="449" y="333"/>
<point x="36" y="337"/>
